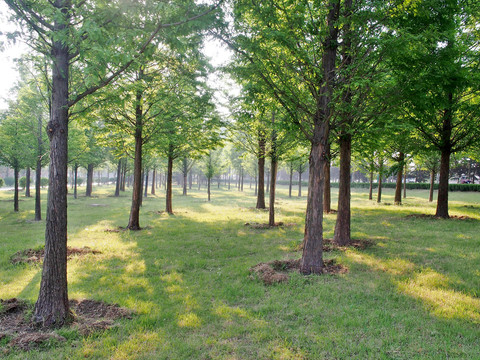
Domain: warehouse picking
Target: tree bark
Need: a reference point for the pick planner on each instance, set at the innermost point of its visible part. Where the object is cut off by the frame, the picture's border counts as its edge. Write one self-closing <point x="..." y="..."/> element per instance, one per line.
<point x="154" y="181"/>
<point x="379" y="189"/>
<point x="273" y="182"/>
<point x="27" y="183"/>
<point x="124" y="175"/>
<point x="134" y="220"/>
<point x="398" y="185"/>
<point x="405" y="182"/>
<point x="327" y="192"/>
<point x="38" y="180"/>
<point x="15" y="194"/>
<point x="88" y="191"/>
<point x="145" y="193"/>
<point x="261" y="172"/>
<point x="52" y="308"/>
<point x="290" y="181"/>
<point x="442" y="197"/>
<point x="370" y="190"/>
<point x="168" y="197"/>
<point x="119" y="172"/>
<point x="432" y="184"/>
<point x="300" y="180"/>
<point x="342" y="236"/>
<point x="75" y="180"/>
<point x="185" y="173"/>
<point x="208" y="188"/>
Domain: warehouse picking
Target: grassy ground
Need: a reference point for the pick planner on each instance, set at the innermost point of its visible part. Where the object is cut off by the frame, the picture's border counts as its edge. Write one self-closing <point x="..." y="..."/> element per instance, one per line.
<point x="415" y="294"/>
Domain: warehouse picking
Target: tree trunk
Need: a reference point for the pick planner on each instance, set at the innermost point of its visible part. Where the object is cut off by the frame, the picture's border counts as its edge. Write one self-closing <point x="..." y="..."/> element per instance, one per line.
<point x="124" y="175"/>
<point x="145" y="193"/>
<point x="370" y="190"/>
<point x="273" y="181"/>
<point x="27" y="183"/>
<point x="241" y="179"/>
<point x="88" y="191"/>
<point x="185" y="173"/>
<point x="52" y="308"/>
<point x="290" y="181"/>
<point x="342" y="236"/>
<point x="300" y="181"/>
<point x="154" y="181"/>
<point x="134" y="220"/>
<point x="75" y="180"/>
<point x="261" y="172"/>
<point x="15" y="194"/>
<point x="379" y="189"/>
<point x="208" y="188"/>
<point x="119" y="172"/>
<point x="168" y="197"/>
<point x="312" y="260"/>
<point x="432" y="184"/>
<point x="38" y="180"/>
<point x="442" y="197"/>
<point x="405" y="182"/>
<point x="327" y="192"/>
<point x="398" y="186"/>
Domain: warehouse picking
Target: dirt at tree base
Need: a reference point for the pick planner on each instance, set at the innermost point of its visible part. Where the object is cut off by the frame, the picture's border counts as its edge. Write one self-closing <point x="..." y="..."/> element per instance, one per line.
<point x="21" y="334"/>
<point x="329" y="245"/>
<point x="37" y="255"/>
<point x="276" y="271"/>
<point x="267" y="226"/>
<point x="427" y="216"/>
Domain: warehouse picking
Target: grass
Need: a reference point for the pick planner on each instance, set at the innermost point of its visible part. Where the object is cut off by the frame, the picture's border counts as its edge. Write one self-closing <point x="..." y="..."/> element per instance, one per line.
<point x="414" y="295"/>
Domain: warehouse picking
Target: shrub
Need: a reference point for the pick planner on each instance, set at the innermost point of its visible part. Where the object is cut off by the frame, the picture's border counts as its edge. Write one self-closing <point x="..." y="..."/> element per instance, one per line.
<point x="22" y="182"/>
<point x="43" y="182"/>
<point x="2" y="183"/>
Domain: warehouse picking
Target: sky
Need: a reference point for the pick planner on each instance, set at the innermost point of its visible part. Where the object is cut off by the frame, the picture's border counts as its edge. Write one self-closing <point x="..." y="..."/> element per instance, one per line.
<point x="7" y="56"/>
<point x="219" y="55"/>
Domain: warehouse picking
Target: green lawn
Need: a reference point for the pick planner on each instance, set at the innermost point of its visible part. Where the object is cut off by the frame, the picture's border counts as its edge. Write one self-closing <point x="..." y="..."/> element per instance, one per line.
<point x="414" y="295"/>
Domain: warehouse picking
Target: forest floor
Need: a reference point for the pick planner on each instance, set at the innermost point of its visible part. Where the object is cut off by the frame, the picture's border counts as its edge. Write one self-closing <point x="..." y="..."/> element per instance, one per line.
<point x="189" y="285"/>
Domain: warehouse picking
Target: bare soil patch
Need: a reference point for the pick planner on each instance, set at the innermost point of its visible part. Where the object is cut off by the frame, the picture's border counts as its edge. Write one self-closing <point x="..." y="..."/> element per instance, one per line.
<point x="37" y="255"/>
<point x="267" y="226"/>
<point x="329" y="245"/>
<point x="21" y="334"/>
<point x="276" y="271"/>
<point x="427" y="216"/>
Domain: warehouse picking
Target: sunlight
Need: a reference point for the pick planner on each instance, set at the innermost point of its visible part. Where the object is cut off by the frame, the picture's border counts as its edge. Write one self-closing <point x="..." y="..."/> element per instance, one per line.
<point x="394" y="266"/>
<point x="139" y="344"/>
<point x="189" y="320"/>
<point x="432" y="288"/>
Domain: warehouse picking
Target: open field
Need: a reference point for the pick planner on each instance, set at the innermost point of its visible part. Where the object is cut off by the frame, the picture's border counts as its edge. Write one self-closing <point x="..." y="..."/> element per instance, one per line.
<point x="414" y="294"/>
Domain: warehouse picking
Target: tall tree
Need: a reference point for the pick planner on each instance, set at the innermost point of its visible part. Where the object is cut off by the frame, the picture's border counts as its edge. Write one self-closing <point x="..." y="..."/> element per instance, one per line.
<point x="73" y="33"/>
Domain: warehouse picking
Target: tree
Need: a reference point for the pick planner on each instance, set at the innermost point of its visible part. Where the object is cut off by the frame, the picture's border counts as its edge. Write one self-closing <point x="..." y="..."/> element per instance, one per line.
<point x="74" y="33"/>
<point x="435" y="62"/>
<point x="211" y="166"/>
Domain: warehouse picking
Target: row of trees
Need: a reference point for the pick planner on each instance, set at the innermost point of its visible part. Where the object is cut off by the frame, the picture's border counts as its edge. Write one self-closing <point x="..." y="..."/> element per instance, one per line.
<point x="369" y="80"/>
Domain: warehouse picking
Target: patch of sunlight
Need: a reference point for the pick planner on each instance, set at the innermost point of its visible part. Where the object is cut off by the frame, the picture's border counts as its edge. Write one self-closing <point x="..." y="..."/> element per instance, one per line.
<point x="229" y="312"/>
<point x="432" y="288"/>
<point x="395" y="266"/>
<point x="431" y="249"/>
<point x="241" y="233"/>
<point x="282" y="351"/>
<point x="174" y="289"/>
<point x="463" y="236"/>
<point x="172" y="277"/>
<point x="136" y="267"/>
<point x="19" y="283"/>
<point x="386" y="223"/>
<point x="190" y="320"/>
<point x="138" y="345"/>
